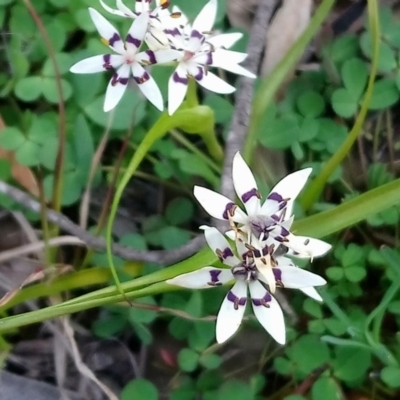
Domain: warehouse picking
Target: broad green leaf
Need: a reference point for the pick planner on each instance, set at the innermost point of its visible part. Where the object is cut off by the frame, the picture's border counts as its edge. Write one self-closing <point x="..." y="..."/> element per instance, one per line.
<point x="142" y="315"/>
<point x="50" y="90"/>
<point x="11" y="138"/>
<point x="351" y="364"/>
<point x="384" y="95"/>
<point x="173" y="237"/>
<point x="311" y="104"/>
<point x="391" y="376"/>
<point x="64" y="63"/>
<point x="188" y="360"/>
<point x="313" y="308"/>
<point x="344" y="48"/>
<point x="354" y="74"/>
<point x="280" y="133"/>
<point x="29" y="88"/>
<point x="28" y="154"/>
<point x="335" y="273"/>
<point x="210" y="361"/>
<point x="179" y="211"/>
<point x="355" y="274"/>
<point x="235" y="390"/>
<point x="109" y="327"/>
<point x="326" y="388"/>
<point x="344" y="103"/>
<point x="139" y="389"/>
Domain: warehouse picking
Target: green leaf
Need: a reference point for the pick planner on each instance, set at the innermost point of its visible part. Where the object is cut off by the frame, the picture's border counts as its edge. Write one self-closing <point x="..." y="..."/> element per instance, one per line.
<point x="235" y="390"/>
<point x="384" y="94"/>
<point x="309" y="128"/>
<point x="194" y="165"/>
<point x="394" y="307"/>
<point x="109" y="327"/>
<point x="326" y="388"/>
<point x="391" y="376"/>
<point x="142" y="332"/>
<point x="5" y="170"/>
<point x="141" y="315"/>
<point x="280" y="133"/>
<point x="344" y="103"/>
<point x="130" y="111"/>
<point x="134" y="241"/>
<point x="28" y="154"/>
<point x="313" y="308"/>
<point x="308" y="353"/>
<point x="335" y="273"/>
<point x="222" y="108"/>
<point x="351" y="364"/>
<point x="188" y="360"/>
<point x="282" y="366"/>
<point x="63" y="61"/>
<point x="173" y="237"/>
<point x="29" y="88"/>
<point x="311" y="104"/>
<point x="353" y="254"/>
<point x="294" y="397"/>
<point x="210" y="361"/>
<point x="355" y="274"/>
<point x="335" y="326"/>
<point x="179" y="211"/>
<point x="50" y="90"/>
<point x="344" y="48"/>
<point x="139" y="389"/>
<point x="354" y="74"/>
<point x="11" y="138"/>
<point x="84" y="146"/>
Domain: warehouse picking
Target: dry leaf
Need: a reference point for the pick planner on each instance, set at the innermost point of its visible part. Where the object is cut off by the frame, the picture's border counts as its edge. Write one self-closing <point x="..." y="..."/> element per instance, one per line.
<point x="23" y="175"/>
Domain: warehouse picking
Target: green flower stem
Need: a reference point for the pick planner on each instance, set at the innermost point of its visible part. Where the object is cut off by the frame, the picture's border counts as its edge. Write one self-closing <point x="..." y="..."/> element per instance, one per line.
<point x="315" y="189"/>
<point x="318" y="226"/>
<point x="199" y="120"/>
<point x="270" y="85"/>
<point x="191" y="95"/>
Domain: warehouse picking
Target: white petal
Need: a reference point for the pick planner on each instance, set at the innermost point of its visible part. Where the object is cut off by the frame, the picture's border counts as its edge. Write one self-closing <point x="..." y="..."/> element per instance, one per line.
<point x="183" y="20"/>
<point x="107" y="31"/>
<point x="220" y="246"/>
<point x="147" y="86"/>
<point x="116" y="88"/>
<point x="245" y="185"/>
<point x="218" y="206"/>
<point x="125" y="10"/>
<point x="204" y="21"/>
<point x="312" y="292"/>
<point x="142" y="6"/>
<point x="97" y="64"/>
<point x="177" y="88"/>
<point x="150" y="57"/>
<point x="215" y="84"/>
<point x="225" y="40"/>
<point x="136" y="33"/>
<point x="231" y="312"/>
<point x="296" y="278"/>
<point x="203" y="278"/>
<point x="290" y="186"/>
<point x="229" y="61"/>
<point x="305" y="247"/>
<point x="266" y="273"/>
<point x="112" y="10"/>
<point x="271" y="318"/>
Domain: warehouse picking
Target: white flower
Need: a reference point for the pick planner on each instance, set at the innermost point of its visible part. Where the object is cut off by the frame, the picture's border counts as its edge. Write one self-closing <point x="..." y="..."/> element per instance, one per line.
<point x="160" y="19"/>
<point x="199" y="51"/>
<point x="267" y="223"/>
<point x="127" y="62"/>
<point x="245" y="274"/>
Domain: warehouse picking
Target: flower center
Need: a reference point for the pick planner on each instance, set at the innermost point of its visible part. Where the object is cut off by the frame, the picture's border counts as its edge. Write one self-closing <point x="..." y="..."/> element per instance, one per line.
<point x="188" y="55"/>
<point x="261" y="226"/>
<point x="245" y="271"/>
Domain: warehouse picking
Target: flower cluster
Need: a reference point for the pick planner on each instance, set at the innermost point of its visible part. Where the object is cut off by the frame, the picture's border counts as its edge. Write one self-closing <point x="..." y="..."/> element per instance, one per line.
<point x="262" y="258"/>
<point x="169" y="38"/>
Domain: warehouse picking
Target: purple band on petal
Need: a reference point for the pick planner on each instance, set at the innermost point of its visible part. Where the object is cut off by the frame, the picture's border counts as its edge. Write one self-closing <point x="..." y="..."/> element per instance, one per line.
<point x="278" y="274"/>
<point x="107" y="59"/>
<point x="142" y="79"/>
<point x="196" y="34"/>
<point x="200" y="74"/>
<point x="228" y="208"/>
<point x="215" y="273"/>
<point x="172" y="32"/>
<point x="134" y="41"/>
<point x="248" y="195"/>
<point x="236" y="300"/>
<point x="116" y="79"/>
<point x="284" y="231"/>
<point x="115" y="38"/>
<point x="275" y="217"/>
<point x="262" y="302"/>
<point x="179" y="79"/>
<point x="209" y="58"/>
<point x="275" y="196"/>
<point x="152" y="56"/>
<point x="227" y="252"/>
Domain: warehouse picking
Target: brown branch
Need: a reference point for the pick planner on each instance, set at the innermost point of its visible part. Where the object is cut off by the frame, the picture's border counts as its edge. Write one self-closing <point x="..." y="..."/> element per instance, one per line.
<point x="244" y="94"/>
<point x="162" y="257"/>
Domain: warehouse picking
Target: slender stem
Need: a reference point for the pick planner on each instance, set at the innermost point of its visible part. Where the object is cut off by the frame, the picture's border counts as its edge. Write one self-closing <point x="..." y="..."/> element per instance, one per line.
<point x="314" y="190"/>
<point x="191" y="95"/>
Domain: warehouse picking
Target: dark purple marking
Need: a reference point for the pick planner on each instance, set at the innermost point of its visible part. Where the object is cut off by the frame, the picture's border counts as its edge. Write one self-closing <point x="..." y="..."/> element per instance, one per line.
<point x="236" y="300"/>
<point x="179" y="79"/>
<point x="262" y="302"/>
<point x="209" y="58"/>
<point x="215" y="273"/>
<point x="107" y="60"/>
<point x="196" y="34"/>
<point x="278" y="274"/>
<point x="282" y="205"/>
<point x="275" y="217"/>
<point x="115" y="38"/>
<point x="227" y="253"/>
<point x="142" y="79"/>
<point x="136" y="42"/>
<point x="172" y="32"/>
<point x="248" y="195"/>
<point x="228" y="208"/>
<point x="284" y="232"/>
<point x="152" y="56"/>
<point x="275" y="196"/>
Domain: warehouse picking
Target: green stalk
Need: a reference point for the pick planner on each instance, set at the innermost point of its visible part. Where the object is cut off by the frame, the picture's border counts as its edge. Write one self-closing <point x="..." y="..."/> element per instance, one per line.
<point x="270" y="85"/>
<point x="315" y="189"/>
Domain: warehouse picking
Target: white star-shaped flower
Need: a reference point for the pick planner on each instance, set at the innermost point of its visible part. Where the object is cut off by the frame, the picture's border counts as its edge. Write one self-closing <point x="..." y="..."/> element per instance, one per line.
<point x="267" y="223"/>
<point x="128" y="62"/>
<point x="199" y="51"/>
<point x="247" y="279"/>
